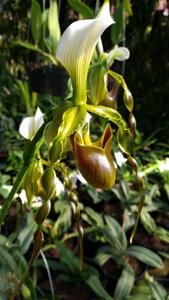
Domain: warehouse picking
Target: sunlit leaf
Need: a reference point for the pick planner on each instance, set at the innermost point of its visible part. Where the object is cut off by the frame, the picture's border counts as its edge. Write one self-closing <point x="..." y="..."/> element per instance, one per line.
<point x="108" y="113"/>
<point x="53" y="25"/>
<point x="116" y="231"/>
<point x="95" y="284"/>
<point x="36" y="21"/>
<point x="124" y="284"/>
<point x="157" y="290"/>
<point x="145" y="255"/>
<point x="127" y="7"/>
<point x="82" y="8"/>
<point x="117" y="28"/>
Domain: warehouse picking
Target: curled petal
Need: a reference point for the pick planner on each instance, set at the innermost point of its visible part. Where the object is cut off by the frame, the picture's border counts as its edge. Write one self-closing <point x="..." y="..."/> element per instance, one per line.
<point x="120" y="53"/>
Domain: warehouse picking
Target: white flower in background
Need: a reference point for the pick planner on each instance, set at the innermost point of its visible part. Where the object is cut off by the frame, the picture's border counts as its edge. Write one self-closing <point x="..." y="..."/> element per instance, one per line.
<point x="30" y="125"/>
<point x="120" y="159"/>
<point x="163" y="165"/>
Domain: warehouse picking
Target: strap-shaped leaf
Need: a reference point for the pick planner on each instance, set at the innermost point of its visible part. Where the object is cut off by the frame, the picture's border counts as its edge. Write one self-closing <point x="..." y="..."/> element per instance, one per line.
<point x="145" y="255"/>
<point x="95" y="284"/>
<point x="108" y="113"/>
<point x="32" y="47"/>
<point x="116" y="231"/>
<point x="36" y="21"/>
<point x="117" y="28"/>
<point x="157" y="290"/>
<point x="124" y="284"/>
<point x="53" y="25"/>
<point x="81" y="8"/>
<point x="9" y="259"/>
<point x="127" y="7"/>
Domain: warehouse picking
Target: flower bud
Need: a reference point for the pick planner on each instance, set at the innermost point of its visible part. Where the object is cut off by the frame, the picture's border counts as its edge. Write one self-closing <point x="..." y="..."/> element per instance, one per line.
<point x="32" y="180"/>
<point x="43" y="212"/>
<point x="133" y="164"/>
<point x="55" y="150"/>
<point x="128" y="100"/>
<point x="132" y="125"/>
<point x="26" y="293"/>
<point x="48" y="182"/>
<point x="38" y="241"/>
<point x="94" y="160"/>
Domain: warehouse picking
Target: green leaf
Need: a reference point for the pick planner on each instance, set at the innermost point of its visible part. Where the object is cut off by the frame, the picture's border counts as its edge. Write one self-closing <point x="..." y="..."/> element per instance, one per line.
<point x="127" y="7"/>
<point x="25" y="93"/>
<point x="140" y="291"/>
<point x="117" y="28"/>
<point x="108" y="113"/>
<point x="103" y="257"/>
<point x="53" y="25"/>
<point x="95" y="284"/>
<point x="36" y="21"/>
<point x="27" y="45"/>
<point x="68" y="257"/>
<point x="146" y="256"/>
<point x="32" y="47"/>
<point x="63" y="221"/>
<point x="25" y="236"/>
<point x="157" y="290"/>
<point x="116" y="231"/>
<point x="81" y="8"/>
<point x="10" y="261"/>
<point x="95" y="216"/>
<point x="124" y="284"/>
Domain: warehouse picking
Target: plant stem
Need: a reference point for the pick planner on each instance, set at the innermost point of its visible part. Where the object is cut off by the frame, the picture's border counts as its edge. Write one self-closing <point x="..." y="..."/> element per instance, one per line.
<point x="76" y="234"/>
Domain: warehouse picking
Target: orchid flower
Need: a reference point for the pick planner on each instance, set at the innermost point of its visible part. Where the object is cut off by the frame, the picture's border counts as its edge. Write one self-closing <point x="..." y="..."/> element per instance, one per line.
<point x="94" y="159"/>
<point x="76" y="47"/>
<point x="30" y="125"/>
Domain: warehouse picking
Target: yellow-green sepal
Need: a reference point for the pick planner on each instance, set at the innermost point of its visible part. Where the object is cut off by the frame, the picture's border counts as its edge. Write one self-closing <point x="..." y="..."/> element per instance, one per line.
<point x="48" y="182"/>
<point x="108" y="113"/>
<point x="72" y="120"/>
<point x="32" y="180"/>
<point x="51" y="128"/>
<point x="97" y="81"/>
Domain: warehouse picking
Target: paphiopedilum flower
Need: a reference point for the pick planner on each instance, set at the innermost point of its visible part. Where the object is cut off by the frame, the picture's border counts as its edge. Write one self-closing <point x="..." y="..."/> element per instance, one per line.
<point x="94" y="159"/>
<point x="76" y="48"/>
<point x="30" y="125"/>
